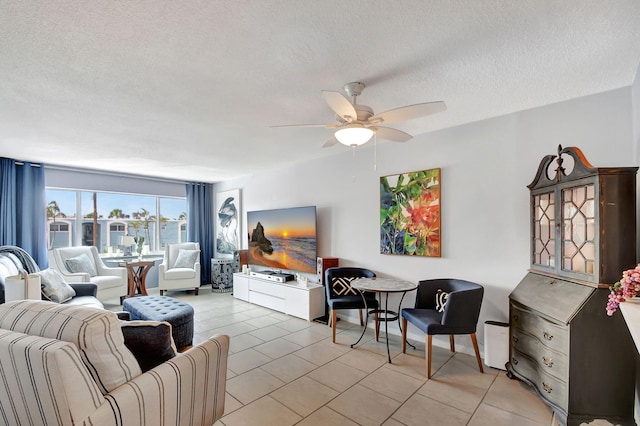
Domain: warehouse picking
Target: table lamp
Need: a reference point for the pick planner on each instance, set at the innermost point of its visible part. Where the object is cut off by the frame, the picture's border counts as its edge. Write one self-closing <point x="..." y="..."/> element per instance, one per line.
<point x="127" y="242"/>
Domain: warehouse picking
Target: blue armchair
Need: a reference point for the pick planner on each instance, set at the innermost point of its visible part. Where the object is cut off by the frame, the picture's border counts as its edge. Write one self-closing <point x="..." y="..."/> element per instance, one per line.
<point x="458" y="315"/>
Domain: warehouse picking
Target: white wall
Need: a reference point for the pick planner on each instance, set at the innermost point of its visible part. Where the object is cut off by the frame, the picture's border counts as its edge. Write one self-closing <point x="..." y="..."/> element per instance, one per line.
<point x="485" y="202"/>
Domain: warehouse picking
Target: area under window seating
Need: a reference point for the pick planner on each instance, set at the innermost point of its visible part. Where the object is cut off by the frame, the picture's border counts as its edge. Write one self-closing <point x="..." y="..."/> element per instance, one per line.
<point x="71" y="365"/>
<point x="83" y="264"/>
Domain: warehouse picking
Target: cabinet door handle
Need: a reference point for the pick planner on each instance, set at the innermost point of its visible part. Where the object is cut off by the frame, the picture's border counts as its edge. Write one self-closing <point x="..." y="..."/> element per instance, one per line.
<point x="547" y="335"/>
<point x="515" y="339"/>
<point x="547" y="387"/>
<point x="514" y="361"/>
<point x="547" y="361"/>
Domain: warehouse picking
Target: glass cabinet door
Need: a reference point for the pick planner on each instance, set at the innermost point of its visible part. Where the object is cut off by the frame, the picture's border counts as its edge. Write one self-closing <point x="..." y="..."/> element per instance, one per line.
<point x="544" y="225"/>
<point x="578" y="229"/>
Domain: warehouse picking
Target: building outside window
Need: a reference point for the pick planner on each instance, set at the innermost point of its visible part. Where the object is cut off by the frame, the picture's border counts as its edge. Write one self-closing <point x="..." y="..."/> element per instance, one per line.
<point x="82" y="218"/>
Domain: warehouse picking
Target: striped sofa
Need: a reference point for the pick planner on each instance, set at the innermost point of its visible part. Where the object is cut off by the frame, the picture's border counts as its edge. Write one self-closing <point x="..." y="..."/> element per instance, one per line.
<point x="68" y="365"/>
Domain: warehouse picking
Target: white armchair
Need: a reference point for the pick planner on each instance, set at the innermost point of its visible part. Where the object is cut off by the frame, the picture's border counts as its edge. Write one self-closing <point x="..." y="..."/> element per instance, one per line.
<point x="174" y="273"/>
<point x="111" y="282"/>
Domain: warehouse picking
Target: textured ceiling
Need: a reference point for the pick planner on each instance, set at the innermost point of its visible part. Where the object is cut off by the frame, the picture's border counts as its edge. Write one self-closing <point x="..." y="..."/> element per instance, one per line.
<point x="188" y="89"/>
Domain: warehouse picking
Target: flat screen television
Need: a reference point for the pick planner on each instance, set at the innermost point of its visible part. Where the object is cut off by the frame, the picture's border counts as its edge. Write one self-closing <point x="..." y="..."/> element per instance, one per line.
<point x="283" y="238"/>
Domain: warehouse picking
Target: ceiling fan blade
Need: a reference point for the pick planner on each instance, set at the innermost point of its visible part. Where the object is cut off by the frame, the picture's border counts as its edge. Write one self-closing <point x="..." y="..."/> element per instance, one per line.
<point x="340" y="105"/>
<point x="330" y="142"/>
<point x="391" y="134"/>
<point x="408" y="112"/>
<point x="328" y="126"/>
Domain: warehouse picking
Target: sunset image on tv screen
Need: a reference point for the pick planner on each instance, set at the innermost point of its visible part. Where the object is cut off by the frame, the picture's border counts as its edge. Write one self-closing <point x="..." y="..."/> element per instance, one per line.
<point x="283" y="238"/>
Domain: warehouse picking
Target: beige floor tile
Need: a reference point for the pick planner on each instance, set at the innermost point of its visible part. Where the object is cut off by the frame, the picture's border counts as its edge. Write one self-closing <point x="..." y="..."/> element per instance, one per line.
<point x="350" y="335"/>
<point x="410" y="365"/>
<point x="231" y="404"/>
<point x="234" y="329"/>
<point x="326" y="416"/>
<point x="416" y="359"/>
<point x="322" y="352"/>
<point x="492" y="416"/>
<point x="337" y="375"/>
<point x="461" y="372"/>
<point x="295" y="324"/>
<point x="308" y="336"/>
<point x="422" y="411"/>
<point x="269" y="333"/>
<point x="257" y="311"/>
<point x="390" y="422"/>
<point x="262" y="321"/>
<point x="252" y="385"/>
<point x="451" y="392"/>
<point x="277" y="348"/>
<point x="304" y="395"/>
<point x="265" y="411"/>
<point x="230" y="374"/>
<point x="246" y="360"/>
<point x="279" y="315"/>
<point x="392" y="384"/>
<point x="364" y="360"/>
<point x="517" y="397"/>
<point x="288" y="368"/>
<point x="242" y="342"/>
<point x="364" y="406"/>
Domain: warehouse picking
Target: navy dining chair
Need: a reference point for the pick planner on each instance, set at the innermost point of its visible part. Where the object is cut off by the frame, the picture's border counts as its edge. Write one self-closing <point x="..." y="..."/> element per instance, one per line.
<point x="340" y="294"/>
<point x="445" y="307"/>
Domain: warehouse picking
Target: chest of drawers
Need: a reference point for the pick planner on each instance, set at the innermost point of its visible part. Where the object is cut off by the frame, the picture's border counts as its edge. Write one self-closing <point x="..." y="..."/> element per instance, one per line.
<point x="575" y="357"/>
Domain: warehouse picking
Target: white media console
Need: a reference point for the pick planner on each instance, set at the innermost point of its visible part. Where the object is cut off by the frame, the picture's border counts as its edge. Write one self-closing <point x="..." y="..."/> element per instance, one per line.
<point x="305" y="301"/>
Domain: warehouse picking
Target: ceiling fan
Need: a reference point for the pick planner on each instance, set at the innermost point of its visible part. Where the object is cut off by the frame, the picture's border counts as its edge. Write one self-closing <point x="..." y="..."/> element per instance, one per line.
<point x="357" y="123"/>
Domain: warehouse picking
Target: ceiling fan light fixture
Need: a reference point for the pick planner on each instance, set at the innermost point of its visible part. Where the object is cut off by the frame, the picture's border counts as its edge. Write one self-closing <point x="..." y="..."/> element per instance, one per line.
<point x="354" y="135"/>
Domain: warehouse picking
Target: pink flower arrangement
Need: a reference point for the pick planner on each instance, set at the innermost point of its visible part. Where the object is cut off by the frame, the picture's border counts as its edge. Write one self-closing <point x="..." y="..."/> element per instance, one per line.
<point x="626" y="288"/>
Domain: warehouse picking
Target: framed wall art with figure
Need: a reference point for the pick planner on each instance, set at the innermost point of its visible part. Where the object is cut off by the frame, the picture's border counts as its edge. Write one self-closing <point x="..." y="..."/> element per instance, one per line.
<point x="227" y="222"/>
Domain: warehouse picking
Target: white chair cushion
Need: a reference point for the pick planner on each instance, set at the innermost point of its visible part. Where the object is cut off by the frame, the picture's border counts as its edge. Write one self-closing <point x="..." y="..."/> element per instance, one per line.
<point x="106" y="281"/>
<point x="179" y="274"/>
<point x="96" y="333"/>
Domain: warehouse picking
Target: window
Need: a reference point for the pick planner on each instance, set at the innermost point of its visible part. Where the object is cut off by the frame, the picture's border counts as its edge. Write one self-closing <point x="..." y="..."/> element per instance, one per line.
<point x="103" y="218"/>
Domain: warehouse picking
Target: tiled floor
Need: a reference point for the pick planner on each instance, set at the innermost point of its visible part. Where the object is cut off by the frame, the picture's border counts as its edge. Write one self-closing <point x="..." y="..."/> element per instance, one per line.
<point x="285" y="371"/>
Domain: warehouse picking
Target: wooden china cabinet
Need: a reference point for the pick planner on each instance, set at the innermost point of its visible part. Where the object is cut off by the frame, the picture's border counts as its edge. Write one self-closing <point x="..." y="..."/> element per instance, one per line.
<point x="583" y="235"/>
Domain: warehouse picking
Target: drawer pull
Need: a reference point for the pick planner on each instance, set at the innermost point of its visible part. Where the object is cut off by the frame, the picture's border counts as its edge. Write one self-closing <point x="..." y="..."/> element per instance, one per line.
<point x="547" y="361"/>
<point x="547" y="387"/>
<point x="515" y="317"/>
<point x="547" y="336"/>
<point x="554" y="282"/>
<point x="515" y="339"/>
<point x="514" y="361"/>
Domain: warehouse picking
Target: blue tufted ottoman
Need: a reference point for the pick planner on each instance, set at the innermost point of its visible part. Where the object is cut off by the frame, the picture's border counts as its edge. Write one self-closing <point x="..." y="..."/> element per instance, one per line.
<point x="163" y="308"/>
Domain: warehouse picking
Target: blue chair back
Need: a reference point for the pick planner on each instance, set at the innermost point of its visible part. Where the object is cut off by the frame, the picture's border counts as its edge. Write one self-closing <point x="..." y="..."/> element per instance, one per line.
<point x="335" y="290"/>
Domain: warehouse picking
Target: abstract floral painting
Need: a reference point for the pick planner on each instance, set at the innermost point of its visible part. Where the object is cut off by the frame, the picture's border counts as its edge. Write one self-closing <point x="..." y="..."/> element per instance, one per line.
<point x="228" y="221"/>
<point x="410" y="213"/>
